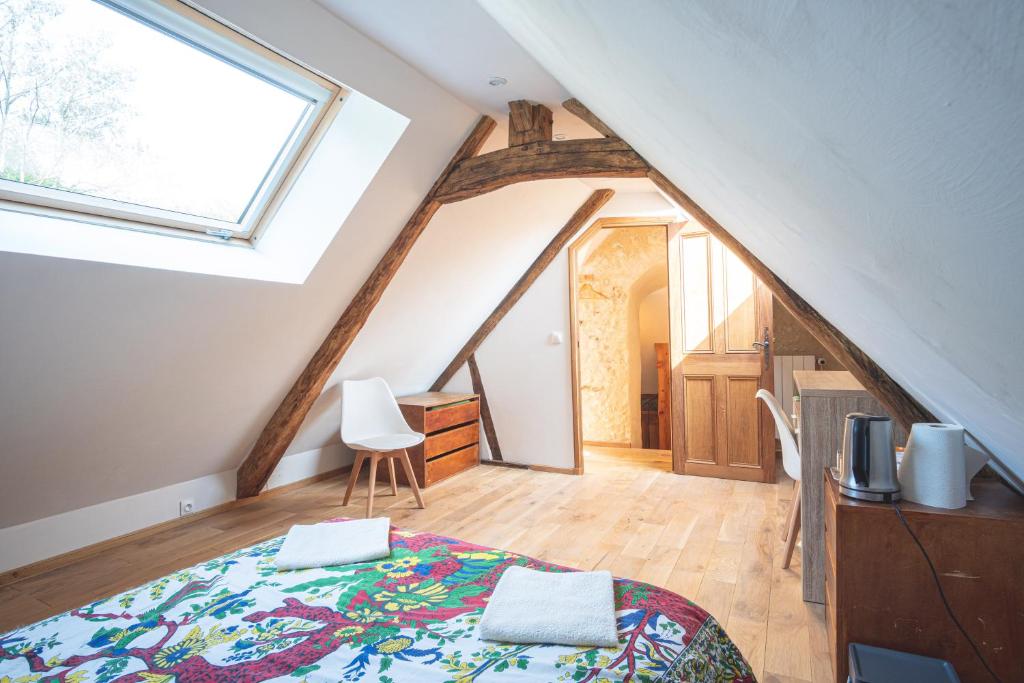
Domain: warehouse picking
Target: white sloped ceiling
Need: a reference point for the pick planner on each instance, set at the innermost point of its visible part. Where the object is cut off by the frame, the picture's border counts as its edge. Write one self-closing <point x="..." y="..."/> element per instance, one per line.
<point x="869" y="153"/>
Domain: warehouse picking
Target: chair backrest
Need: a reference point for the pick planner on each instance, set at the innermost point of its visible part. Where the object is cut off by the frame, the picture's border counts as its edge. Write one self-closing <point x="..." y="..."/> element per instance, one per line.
<point x="790" y="451"/>
<point x="368" y="408"/>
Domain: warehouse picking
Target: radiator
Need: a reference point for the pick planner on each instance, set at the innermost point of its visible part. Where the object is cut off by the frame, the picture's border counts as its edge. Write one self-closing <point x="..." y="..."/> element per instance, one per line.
<point x="785" y="389"/>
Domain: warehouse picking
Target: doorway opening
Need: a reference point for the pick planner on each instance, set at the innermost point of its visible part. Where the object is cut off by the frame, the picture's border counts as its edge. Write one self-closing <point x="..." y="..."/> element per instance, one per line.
<point x="619" y="312"/>
<point x="671" y="342"/>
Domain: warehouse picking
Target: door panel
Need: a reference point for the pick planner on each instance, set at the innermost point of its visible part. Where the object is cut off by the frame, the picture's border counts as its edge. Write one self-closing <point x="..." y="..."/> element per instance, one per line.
<point x="698" y="325"/>
<point x="742" y="421"/>
<point x="699" y="418"/>
<point x="718" y="309"/>
<point x="740" y="305"/>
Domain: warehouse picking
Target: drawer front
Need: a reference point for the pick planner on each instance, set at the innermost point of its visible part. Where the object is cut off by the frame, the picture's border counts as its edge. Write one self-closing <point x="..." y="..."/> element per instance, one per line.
<point x="450" y="440"/>
<point x="439" y="418"/>
<point x="453" y="463"/>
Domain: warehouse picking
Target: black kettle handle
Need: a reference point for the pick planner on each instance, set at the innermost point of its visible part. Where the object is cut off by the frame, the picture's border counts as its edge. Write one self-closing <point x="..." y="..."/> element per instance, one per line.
<point x="859" y="443"/>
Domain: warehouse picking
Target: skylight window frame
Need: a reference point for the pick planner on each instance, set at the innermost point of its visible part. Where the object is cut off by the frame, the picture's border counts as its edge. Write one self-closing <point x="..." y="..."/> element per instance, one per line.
<point x="195" y="28"/>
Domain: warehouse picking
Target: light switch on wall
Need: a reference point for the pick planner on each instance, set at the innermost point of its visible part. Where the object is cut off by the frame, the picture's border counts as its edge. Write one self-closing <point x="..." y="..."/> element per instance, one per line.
<point x="555" y="338"/>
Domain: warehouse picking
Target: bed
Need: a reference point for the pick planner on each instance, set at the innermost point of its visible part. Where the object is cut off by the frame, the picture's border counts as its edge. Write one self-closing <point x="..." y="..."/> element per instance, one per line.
<point x="411" y="617"/>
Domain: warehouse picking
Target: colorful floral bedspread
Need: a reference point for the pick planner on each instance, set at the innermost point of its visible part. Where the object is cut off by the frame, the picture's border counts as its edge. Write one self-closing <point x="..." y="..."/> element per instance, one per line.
<point x="411" y="617"/>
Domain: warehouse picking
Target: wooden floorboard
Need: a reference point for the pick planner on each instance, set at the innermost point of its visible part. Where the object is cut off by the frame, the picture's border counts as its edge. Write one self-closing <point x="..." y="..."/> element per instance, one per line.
<point x="714" y="541"/>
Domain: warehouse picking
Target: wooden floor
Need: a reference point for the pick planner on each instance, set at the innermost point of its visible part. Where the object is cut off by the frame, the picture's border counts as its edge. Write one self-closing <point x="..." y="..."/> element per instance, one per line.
<point x="713" y="541"/>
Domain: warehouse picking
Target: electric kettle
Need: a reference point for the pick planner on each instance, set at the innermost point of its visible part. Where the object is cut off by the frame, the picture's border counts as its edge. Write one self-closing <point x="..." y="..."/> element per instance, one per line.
<point x="867" y="469"/>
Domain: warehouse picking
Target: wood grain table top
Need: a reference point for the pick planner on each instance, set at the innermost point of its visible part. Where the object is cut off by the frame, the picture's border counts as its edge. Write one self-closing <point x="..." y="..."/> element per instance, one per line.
<point x="432" y="399"/>
<point x="827" y="383"/>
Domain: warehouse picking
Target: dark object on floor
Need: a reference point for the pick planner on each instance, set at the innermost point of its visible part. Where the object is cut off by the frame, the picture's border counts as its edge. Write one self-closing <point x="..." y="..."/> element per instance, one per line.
<point x="877" y="665"/>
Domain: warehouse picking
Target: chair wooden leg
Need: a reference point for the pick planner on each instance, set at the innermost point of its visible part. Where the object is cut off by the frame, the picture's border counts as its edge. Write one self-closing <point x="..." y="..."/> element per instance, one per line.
<point x="354" y="475"/>
<point x="794" y="497"/>
<point x="407" y="466"/>
<point x="374" y="458"/>
<point x="391" y="472"/>
<point x="794" y="528"/>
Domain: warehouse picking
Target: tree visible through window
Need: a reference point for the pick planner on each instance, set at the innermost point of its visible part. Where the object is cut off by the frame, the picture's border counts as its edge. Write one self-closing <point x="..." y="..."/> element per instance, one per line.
<point x="107" y="105"/>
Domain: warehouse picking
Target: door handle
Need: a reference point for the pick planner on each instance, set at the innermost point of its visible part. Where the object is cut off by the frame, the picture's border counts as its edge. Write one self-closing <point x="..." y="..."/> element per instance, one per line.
<point x="764" y="346"/>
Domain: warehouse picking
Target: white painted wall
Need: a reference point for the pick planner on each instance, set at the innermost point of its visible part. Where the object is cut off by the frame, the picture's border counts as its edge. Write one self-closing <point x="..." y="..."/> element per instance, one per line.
<point x="527" y="378"/>
<point x="869" y="153"/>
<point x="653" y="324"/>
<point x="39" y="539"/>
<point x="459" y="270"/>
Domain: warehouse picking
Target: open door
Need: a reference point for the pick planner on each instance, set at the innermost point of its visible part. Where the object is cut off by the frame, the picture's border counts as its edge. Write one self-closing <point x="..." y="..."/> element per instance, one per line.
<point x="721" y="329"/>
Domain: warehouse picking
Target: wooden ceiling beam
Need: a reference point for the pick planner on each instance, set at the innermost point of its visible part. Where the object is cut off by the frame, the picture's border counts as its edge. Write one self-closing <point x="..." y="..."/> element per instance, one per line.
<point x="579" y="219"/>
<point x="528" y="123"/>
<point x="490" y="433"/>
<point x="588" y="158"/>
<point x="576" y="108"/>
<point x="272" y="443"/>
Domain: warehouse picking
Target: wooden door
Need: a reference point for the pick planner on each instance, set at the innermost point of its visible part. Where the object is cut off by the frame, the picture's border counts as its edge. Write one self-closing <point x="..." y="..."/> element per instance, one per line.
<point x="664" y="395"/>
<point x="718" y="310"/>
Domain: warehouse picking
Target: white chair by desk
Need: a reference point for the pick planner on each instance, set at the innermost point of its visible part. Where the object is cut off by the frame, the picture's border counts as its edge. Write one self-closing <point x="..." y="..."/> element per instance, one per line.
<point x="790" y="463"/>
<point x="372" y="424"/>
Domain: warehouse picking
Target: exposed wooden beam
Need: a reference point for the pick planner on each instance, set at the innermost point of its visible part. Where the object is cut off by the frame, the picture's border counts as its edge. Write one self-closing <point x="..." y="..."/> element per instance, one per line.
<point x="254" y="472"/>
<point x="590" y="158"/>
<point x="576" y="108"/>
<point x="580" y="218"/>
<point x="528" y="123"/>
<point x="485" y="409"/>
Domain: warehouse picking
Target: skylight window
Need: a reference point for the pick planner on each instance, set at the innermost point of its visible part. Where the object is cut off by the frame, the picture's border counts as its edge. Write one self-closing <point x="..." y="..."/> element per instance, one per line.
<point x="146" y="113"/>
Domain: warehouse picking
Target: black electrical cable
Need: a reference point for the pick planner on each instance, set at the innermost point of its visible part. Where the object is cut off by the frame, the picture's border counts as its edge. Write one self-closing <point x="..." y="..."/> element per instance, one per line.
<point x="942" y="593"/>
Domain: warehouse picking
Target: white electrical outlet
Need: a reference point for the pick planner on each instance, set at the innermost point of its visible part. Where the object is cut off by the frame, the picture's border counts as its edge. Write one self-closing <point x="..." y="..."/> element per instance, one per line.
<point x="186" y="507"/>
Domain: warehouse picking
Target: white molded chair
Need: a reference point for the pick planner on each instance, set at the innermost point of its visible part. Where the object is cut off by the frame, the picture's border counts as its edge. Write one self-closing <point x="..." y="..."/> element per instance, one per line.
<point x="372" y="424"/>
<point x="790" y="463"/>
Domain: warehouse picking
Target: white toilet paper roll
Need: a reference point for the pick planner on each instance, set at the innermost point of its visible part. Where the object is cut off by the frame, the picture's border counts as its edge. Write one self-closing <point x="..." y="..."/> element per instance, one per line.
<point x="934" y="471"/>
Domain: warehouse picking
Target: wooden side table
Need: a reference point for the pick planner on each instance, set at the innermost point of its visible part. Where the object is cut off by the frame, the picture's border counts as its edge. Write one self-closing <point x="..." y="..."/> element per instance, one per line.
<point x="451" y="423"/>
<point x="879" y="589"/>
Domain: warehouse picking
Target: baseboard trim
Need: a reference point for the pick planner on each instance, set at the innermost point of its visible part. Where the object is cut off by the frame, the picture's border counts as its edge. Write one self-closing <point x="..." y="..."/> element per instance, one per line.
<point x="556" y="470"/>
<point x="12" y="576"/>
<point x="536" y="468"/>
<point x="502" y="463"/>
<point x="608" y="444"/>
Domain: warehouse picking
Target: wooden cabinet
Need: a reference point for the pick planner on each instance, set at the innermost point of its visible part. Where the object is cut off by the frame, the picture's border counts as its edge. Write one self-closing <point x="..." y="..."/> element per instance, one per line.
<point x="826" y="398"/>
<point x="451" y="425"/>
<point x="880" y="591"/>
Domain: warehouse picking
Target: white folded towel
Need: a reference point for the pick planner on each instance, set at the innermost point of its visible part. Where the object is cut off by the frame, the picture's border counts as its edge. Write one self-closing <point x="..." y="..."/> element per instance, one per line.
<point x="571" y="608"/>
<point x="334" y="543"/>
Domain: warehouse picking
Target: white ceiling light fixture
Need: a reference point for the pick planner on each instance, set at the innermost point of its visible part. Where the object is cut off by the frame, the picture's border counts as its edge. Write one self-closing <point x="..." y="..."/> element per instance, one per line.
<point x="497" y="81"/>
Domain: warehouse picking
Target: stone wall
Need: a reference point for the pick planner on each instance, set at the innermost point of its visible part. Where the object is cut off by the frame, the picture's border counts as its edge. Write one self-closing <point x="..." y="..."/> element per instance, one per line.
<point x="626" y="265"/>
<point x="793" y="339"/>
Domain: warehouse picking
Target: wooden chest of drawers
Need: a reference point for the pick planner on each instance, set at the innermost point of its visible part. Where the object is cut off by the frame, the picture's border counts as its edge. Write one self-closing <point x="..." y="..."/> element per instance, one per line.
<point x="880" y="591"/>
<point x="451" y="423"/>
